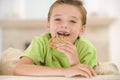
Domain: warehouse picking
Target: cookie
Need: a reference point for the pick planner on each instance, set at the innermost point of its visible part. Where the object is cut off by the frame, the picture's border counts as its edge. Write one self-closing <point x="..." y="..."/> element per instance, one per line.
<point x="57" y="39"/>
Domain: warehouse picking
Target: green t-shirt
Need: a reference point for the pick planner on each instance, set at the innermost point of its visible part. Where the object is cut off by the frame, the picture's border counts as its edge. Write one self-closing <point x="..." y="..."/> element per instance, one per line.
<point x="42" y="54"/>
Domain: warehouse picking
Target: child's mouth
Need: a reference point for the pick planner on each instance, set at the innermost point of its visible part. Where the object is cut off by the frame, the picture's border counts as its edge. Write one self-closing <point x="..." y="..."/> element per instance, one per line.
<point x="63" y="33"/>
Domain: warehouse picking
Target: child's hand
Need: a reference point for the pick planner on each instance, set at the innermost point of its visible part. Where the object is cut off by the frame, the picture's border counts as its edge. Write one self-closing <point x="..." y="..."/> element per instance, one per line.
<point x="79" y="70"/>
<point x="70" y="51"/>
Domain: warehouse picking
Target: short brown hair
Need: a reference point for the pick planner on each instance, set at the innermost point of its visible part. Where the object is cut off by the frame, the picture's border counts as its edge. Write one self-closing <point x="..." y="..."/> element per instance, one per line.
<point x="76" y="3"/>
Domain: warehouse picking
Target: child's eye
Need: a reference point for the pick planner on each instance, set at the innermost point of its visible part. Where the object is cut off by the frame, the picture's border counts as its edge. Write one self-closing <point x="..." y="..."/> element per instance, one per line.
<point x="57" y="19"/>
<point x="72" y="21"/>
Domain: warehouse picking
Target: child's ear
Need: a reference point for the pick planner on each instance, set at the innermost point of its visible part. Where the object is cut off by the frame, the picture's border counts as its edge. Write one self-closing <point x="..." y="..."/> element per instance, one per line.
<point x="48" y="25"/>
<point x="82" y="30"/>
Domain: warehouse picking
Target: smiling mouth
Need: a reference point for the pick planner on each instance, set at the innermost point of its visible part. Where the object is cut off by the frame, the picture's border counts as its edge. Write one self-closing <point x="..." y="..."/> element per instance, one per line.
<point x="63" y="33"/>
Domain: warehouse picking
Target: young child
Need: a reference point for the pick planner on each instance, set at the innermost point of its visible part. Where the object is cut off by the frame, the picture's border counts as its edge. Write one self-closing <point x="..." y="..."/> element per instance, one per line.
<point x="75" y="57"/>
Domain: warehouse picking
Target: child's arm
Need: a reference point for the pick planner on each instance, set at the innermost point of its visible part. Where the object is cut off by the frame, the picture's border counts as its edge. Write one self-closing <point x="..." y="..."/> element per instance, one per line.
<point x="27" y="67"/>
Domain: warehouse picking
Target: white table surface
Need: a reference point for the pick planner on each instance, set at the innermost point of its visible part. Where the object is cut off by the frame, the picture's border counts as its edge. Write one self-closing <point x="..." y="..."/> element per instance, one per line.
<point x="99" y="77"/>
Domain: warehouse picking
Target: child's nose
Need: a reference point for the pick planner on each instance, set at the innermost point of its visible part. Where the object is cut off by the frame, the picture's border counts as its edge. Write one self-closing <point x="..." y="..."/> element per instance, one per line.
<point x="65" y="27"/>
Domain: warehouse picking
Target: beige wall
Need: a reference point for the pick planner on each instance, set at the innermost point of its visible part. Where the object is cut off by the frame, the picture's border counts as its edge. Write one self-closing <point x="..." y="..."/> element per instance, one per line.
<point x="17" y="33"/>
<point x="18" y="37"/>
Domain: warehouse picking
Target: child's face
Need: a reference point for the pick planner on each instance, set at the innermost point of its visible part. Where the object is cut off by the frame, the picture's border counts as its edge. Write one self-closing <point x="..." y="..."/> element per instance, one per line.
<point x="66" y="20"/>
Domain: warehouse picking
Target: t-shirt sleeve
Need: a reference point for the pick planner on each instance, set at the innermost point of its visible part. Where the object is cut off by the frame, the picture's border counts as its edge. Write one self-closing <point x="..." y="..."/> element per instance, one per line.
<point x="35" y="51"/>
<point x="89" y="57"/>
<point x="87" y="54"/>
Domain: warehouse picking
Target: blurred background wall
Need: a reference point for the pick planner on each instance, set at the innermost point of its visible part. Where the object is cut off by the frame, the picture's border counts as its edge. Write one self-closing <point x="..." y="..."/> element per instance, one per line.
<point x="21" y="20"/>
<point x="0" y="39"/>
